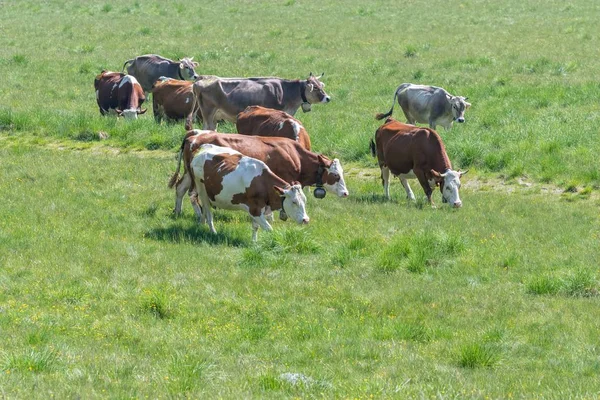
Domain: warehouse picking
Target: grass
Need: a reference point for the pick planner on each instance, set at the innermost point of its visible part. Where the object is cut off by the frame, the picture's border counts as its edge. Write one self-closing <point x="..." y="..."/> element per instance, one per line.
<point x="104" y="294"/>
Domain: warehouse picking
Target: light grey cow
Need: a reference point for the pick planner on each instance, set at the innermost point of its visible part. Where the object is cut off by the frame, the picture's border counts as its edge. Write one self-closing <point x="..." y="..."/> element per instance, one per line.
<point x="148" y="68"/>
<point x="428" y="105"/>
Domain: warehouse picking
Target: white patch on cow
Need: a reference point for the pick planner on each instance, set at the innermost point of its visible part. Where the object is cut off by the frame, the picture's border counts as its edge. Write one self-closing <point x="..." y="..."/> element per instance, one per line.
<point x="340" y="186"/>
<point x="97" y="95"/>
<point x="113" y="87"/>
<point x="296" y="126"/>
<point x="128" y="78"/>
<point x="131" y="113"/>
<point x="281" y="125"/>
<point x="187" y="100"/>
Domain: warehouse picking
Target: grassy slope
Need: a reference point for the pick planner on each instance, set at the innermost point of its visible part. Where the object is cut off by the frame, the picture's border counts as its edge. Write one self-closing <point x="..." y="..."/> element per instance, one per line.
<point x="102" y="293"/>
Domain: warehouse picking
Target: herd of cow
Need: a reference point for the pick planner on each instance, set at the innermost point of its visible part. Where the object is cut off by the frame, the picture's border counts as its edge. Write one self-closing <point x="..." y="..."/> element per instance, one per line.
<point x="264" y="167"/>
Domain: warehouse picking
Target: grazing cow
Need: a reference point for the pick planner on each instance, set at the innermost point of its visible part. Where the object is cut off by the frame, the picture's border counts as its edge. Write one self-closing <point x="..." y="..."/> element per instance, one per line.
<point x="286" y="158"/>
<point x="224" y="98"/>
<point x="227" y="179"/>
<point x="119" y="93"/>
<point x="428" y="105"/>
<point x="172" y="99"/>
<point x="260" y="121"/>
<point x="408" y="151"/>
<point x="150" y="67"/>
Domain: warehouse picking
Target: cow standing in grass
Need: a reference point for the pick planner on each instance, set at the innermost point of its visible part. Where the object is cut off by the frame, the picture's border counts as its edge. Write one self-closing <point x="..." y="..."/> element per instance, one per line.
<point x="119" y="93"/>
<point x="227" y="179"/>
<point x="408" y="151"/>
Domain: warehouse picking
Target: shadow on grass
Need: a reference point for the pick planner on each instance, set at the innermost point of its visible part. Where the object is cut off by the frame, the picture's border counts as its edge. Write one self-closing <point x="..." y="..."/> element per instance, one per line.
<point x="372" y="198"/>
<point x="195" y="234"/>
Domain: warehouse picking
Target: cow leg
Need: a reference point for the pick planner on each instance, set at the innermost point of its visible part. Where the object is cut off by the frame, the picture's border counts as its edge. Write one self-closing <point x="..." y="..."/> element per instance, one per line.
<point x="182" y="187"/>
<point x="207" y="211"/>
<point x="409" y="193"/>
<point x="425" y="184"/>
<point x="208" y="120"/>
<point x="255" y="227"/>
<point x="385" y="180"/>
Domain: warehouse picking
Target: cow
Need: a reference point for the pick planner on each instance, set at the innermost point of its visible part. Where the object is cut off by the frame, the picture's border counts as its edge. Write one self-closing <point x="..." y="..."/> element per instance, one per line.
<point x="227" y="179"/>
<point x="261" y="121"/>
<point x="150" y="67"/>
<point x="172" y="99"/>
<point x="408" y="151"/>
<point x="285" y="157"/>
<point x="224" y="98"/>
<point x="119" y="93"/>
<point x="428" y="105"/>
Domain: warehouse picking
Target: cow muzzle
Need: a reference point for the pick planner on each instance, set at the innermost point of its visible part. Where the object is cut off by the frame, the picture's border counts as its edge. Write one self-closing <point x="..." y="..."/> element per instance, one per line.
<point x="305" y="221"/>
<point x="460" y="120"/>
<point x="457" y="204"/>
<point x="326" y="99"/>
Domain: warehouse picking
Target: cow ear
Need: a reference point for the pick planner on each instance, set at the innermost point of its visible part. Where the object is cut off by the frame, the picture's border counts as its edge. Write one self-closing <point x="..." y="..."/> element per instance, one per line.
<point x="143" y="111"/>
<point x="323" y="161"/>
<point x="195" y="63"/>
<point x="467" y="105"/>
<point x="279" y="190"/>
<point x="437" y="176"/>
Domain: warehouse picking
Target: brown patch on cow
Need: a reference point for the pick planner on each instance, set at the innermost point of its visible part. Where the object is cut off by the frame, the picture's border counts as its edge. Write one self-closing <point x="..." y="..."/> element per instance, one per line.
<point x="261" y="193"/>
<point x="216" y="169"/>
<point x="172" y="99"/>
<point x="261" y="121"/>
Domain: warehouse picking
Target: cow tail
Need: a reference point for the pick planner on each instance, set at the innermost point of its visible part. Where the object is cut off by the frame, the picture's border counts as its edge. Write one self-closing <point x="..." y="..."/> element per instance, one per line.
<point x="380" y="116"/>
<point x="189" y="121"/>
<point x="175" y="176"/>
<point x="126" y="62"/>
<point x="372" y="148"/>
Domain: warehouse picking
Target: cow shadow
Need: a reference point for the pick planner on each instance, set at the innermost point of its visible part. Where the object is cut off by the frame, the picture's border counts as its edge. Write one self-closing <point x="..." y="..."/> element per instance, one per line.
<point x="195" y="234"/>
<point x="377" y="198"/>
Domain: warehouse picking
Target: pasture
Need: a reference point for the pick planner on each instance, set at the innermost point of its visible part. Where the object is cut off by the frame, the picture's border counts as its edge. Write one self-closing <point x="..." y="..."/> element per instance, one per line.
<point x="103" y="294"/>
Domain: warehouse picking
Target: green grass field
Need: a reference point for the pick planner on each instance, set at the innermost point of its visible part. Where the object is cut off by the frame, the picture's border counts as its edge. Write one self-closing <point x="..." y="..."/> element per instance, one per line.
<point x="103" y="294"/>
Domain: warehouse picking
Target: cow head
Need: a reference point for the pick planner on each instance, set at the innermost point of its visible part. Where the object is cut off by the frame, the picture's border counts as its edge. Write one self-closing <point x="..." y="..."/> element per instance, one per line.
<point x="294" y="203"/>
<point x="449" y="183"/>
<point x="332" y="177"/>
<point x="314" y="92"/>
<point x="131" y="113"/>
<point x="459" y="106"/>
<point x="186" y="68"/>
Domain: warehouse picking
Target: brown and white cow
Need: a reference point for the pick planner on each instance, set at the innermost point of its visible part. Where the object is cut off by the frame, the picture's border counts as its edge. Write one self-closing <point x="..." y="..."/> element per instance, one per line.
<point x="408" y="151"/>
<point x="172" y="99"/>
<point x="429" y="105"/>
<point x="224" y="98"/>
<point x="286" y="158"/>
<point x="150" y="67"/>
<point x="119" y="93"/>
<point x="261" y="121"/>
<point x="227" y="179"/>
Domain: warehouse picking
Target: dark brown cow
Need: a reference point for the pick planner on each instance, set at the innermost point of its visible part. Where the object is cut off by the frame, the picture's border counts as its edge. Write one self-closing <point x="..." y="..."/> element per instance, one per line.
<point x="120" y="93"/>
<point x="172" y="99"/>
<point x="286" y="158"/>
<point x="261" y="121"/>
<point x="227" y="179"/>
<point x="408" y="151"/>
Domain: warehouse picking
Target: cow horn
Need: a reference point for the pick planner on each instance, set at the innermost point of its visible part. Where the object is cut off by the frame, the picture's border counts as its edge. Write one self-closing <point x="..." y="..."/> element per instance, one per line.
<point x="310" y="74"/>
<point x="320" y="76"/>
<point x="461" y="173"/>
<point x="118" y="111"/>
<point x="143" y="110"/>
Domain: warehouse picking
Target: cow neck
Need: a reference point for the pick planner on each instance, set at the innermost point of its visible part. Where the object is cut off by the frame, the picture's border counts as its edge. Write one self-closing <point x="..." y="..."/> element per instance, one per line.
<point x="303" y="92"/>
<point x="312" y="170"/>
<point x="179" y="72"/>
<point x="443" y="163"/>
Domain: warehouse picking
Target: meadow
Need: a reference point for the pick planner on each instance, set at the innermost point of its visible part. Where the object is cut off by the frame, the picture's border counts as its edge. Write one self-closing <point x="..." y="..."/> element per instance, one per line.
<point x="103" y="294"/>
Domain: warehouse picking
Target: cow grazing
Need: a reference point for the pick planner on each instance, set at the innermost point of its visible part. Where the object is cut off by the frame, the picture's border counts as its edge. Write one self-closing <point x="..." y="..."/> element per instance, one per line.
<point x="150" y="67"/>
<point x="172" y="99"/>
<point x="119" y="93"/>
<point x="224" y="98"/>
<point x="286" y="158"/>
<point x="408" y="151"/>
<point x="261" y="121"/>
<point x="428" y="105"/>
<point x="227" y="179"/>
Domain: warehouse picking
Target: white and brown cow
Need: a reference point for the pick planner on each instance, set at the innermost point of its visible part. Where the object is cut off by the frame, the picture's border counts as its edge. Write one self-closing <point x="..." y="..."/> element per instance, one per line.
<point x="286" y="158"/>
<point x="429" y="105"/>
<point x="261" y="121"/>
<point x="408" y="151"/>
<point x="119" y="93"/>
<point x="227" y="179"/>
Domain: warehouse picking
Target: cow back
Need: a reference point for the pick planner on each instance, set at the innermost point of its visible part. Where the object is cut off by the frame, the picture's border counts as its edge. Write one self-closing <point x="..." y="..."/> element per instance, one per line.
<point x="261" y="121"/>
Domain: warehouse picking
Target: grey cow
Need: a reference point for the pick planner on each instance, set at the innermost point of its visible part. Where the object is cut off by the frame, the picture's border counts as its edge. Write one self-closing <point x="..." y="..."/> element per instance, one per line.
<point x="428" y="105"/>
<point x="148" y="68"/>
